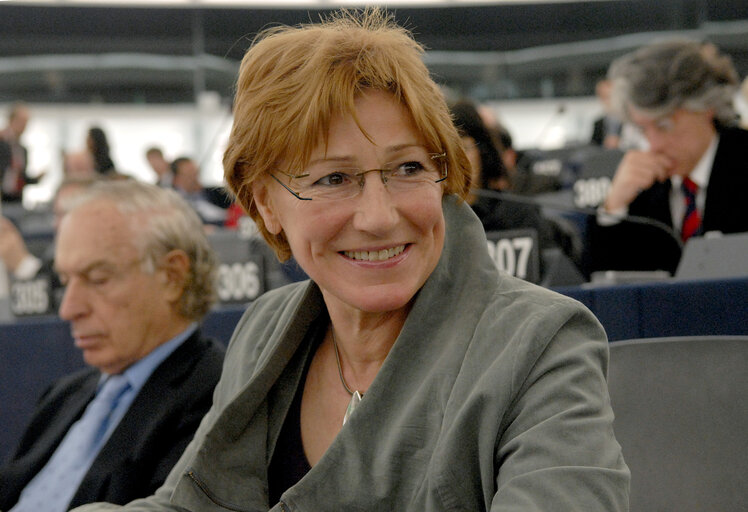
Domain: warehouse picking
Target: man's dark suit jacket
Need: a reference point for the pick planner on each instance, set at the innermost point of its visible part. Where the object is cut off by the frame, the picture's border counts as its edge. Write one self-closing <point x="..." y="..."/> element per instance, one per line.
<point x="628" y="246"/>
<point x="598" y="132"/>
<point x="147" y="442"/>
<point x="6" y="154"/>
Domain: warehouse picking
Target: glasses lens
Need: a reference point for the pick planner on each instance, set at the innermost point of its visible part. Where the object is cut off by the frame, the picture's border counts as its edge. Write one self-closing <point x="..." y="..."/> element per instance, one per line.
<point x="328" y="183"/>
<point x="413" y="174"/>
<point x="325" y="181"/>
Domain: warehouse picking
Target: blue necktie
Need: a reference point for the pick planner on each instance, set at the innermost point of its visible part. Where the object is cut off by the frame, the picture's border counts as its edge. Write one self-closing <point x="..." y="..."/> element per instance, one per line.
<point x="55" y="485"/>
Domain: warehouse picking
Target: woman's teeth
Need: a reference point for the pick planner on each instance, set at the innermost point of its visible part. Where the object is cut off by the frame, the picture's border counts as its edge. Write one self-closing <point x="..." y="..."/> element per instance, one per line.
<point x="384" y="254"/>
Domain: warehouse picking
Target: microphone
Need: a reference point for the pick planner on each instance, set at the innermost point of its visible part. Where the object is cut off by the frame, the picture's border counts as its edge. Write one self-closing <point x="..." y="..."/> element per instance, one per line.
<point x="560" y="110"/>
<point x="549" y="204"/>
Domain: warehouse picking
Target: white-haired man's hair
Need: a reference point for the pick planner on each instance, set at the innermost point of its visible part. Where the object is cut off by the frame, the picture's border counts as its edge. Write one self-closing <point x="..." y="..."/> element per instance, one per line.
<point x="163" y="222"/>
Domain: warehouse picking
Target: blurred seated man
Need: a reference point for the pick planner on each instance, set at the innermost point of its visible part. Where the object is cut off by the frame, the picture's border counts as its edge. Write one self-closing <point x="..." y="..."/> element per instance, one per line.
<point x="694" y="176"/>
<point x="139" y="276"/>
<point x="606" y="131"/>
<point x="160" y="166"/>
<point x="209" y="203"/>
<point x="13" y="156"/>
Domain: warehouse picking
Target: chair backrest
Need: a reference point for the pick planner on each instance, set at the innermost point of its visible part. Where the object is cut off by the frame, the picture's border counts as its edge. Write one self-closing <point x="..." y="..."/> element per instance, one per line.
<point x="681" y="417"/>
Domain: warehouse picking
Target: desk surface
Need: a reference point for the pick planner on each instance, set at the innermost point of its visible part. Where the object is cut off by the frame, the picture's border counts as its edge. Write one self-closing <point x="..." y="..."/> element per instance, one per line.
<point x="668" y="308"/>
<point x="33" y="353"/>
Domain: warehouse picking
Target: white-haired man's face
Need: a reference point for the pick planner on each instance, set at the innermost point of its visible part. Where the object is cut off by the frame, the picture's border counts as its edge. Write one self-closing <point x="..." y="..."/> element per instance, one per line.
<point x="118" y="313"/>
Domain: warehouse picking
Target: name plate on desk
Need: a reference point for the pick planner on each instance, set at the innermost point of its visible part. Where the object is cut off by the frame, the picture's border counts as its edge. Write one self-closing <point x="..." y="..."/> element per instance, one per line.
<point x="597" y="166"/>
<point x="241" y="271"/>
<point x="516" y="252"/>
<point x="31" y="296"/>
<point x="591" y="192"/>
<point x="240" y="281"/>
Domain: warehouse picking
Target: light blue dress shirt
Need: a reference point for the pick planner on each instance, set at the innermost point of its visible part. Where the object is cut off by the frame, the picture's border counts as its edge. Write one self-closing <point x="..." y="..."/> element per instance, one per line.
<point x="56" y="484"/>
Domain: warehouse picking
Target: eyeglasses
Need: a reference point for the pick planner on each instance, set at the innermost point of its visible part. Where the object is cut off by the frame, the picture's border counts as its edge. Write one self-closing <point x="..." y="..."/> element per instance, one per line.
<point x="327" y="181"/>
<point x="662" y="125"/>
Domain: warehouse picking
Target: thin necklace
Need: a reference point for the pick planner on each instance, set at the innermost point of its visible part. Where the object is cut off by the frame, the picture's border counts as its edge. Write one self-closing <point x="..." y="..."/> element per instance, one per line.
<point x="355" y="395"/>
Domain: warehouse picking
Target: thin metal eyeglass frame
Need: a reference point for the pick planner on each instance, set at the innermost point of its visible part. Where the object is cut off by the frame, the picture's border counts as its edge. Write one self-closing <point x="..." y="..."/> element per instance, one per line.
<point x="433" y="156"/>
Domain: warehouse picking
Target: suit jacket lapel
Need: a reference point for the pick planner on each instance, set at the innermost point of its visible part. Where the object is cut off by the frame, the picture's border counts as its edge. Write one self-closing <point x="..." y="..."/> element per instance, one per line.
<point x="132" y="434"/>
<point x="48" y="429"/>
<point x="654" y="203"/>
<point x="721" y="189"/>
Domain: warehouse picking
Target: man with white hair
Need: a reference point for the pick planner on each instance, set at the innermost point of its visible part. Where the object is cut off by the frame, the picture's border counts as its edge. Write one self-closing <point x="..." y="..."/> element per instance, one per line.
<point x="693" y="178"/>
<point x="139" y="276"/>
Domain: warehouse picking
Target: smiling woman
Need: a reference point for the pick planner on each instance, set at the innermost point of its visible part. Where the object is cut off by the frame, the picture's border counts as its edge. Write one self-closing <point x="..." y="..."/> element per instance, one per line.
<point x="334" y="236"/>
<point x="406" y="374"/>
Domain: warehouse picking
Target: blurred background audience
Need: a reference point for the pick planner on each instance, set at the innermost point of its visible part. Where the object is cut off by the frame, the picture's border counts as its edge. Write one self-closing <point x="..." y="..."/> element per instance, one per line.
<point x="210" y="203"/>
<point x="14" y="156"/>
<point x="496" y="212"/>
<point x="94" y="159"/>
<point x="693" y="176"/>
<point x="160" y="166"/>
<point x="606" y="130"/>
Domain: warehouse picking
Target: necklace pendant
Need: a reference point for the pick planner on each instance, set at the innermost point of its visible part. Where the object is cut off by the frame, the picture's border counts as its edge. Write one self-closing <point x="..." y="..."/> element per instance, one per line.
<point x="355" y="400"/>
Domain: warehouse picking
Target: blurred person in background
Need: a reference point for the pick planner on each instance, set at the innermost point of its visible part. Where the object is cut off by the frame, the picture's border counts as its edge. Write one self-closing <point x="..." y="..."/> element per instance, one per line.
<point x="78" y="165"/>
<point x="503" y="141"/>
<point x="14" y="157"/>
<point x="139" y="276"/>
<point x="519" y="178"/>
<point x="693" y="177"/>
<point x="505" y="212"/>
<point x="98" y="145"/>
<point x="509" y="154"/>
<point x="210" y="203"/>
<point x="13" y="251"/>
<point x="94" y="160"/>
<point x="488" y="173"/>
<point x="160" y="166"/>
<point x="606" y="130"/>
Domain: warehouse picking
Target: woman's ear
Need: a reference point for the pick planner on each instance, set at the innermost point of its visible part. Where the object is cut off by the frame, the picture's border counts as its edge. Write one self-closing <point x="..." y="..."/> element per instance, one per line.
<point x="264" y="201"/>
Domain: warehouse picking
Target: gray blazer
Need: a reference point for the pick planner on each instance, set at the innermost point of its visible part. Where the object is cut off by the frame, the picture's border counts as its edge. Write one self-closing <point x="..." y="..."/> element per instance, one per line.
<point x="492" y="398"/>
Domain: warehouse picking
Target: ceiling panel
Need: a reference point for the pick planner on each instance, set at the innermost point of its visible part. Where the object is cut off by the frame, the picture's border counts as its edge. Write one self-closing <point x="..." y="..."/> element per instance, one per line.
<point x="161" y="54"/>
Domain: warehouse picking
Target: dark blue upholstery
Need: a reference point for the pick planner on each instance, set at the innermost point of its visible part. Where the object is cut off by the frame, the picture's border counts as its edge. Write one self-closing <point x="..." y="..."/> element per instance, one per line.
<point x="35" y="352"/>
<point x="668" y="308"/>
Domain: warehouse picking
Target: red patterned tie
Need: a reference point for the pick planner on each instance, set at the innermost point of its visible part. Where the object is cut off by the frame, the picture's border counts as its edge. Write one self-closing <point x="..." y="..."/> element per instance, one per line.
<point x="691" y="219"/>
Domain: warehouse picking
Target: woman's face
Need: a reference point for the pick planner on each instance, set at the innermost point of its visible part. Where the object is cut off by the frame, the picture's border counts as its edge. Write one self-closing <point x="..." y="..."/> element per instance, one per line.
<point x="374" y="251"/>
